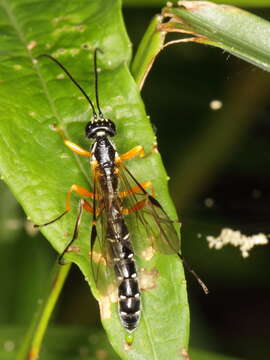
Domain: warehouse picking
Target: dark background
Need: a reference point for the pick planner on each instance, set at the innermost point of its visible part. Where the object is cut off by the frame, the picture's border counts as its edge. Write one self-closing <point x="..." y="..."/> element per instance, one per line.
<point x="223" y="155"/>
<point x="234" y="318"/>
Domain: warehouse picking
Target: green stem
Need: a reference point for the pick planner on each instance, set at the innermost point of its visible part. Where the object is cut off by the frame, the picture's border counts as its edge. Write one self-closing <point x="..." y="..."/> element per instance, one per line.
<point x="150" y="46"/>
<point x="32" y="343"/>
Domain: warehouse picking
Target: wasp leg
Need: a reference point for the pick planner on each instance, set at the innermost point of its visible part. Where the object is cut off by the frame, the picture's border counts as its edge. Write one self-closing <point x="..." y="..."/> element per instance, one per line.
<point x="74" y="147"/>
<point x="136" y="207"/>
<point x="79" y="190"/>
<point x="83" y="205"/>
<point x="136" y="151"/>
<point x="138" y="189"/>
<point x="52" y="221"/>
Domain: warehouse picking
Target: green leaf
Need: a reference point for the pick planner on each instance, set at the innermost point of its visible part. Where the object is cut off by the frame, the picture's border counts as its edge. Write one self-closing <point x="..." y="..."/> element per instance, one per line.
<point x="38" y="167"/>
<point x="234" y="30"/>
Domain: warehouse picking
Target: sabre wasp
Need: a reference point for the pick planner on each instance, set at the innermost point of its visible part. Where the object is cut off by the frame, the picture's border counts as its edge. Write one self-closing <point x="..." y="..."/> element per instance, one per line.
<point x="116" y="195"/>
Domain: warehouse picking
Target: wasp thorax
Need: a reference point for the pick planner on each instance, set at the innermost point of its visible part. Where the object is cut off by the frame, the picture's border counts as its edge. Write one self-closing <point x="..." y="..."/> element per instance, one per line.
<point x="100" y="128"/>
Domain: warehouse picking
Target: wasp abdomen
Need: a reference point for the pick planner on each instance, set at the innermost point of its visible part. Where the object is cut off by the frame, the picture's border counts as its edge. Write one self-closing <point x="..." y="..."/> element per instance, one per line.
<point x="128" y="291"/>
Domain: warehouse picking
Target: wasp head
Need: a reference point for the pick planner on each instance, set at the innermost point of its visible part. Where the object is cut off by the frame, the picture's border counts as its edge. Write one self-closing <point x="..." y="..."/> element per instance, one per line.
<point x="100" y="127"/>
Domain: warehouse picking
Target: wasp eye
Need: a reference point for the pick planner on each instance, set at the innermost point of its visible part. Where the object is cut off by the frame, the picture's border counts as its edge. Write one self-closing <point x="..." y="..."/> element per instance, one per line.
<point x="88" y="130"/>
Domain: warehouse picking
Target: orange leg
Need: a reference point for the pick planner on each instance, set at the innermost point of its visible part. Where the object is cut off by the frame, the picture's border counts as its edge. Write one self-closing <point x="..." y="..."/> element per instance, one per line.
<point x="83" y="192"/>
<point x="87" y="207"/>
<point x="79" y="190"/>
<point x="136" y="151"/>
<point x="77" y="149"/>
<point x="138" y="189"/>
<point x="85" y="204"/>
<point x="74" y="147"/>
<point x="138" y="206"/>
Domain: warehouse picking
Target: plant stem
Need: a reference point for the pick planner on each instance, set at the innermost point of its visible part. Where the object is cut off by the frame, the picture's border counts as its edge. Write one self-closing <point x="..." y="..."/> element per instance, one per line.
<point x="30" y="348"/>
<point x="150" y="46"/>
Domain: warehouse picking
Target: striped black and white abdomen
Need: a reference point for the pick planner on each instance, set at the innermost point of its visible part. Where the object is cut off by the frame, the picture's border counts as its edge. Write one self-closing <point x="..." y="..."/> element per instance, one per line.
<point x="125" y="268"/>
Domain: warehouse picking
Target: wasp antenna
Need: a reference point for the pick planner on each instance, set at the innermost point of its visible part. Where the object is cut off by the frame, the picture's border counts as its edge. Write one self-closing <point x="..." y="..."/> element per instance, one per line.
<point x="72" y="79"/>
<point x="96" y="79"/>
<point x="201" y="283"/>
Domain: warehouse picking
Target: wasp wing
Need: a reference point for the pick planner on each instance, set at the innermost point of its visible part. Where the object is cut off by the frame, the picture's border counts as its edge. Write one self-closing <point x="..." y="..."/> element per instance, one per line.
<point x="100" y="251"/>
<point x="158" y="228"/>
<point x="152" y="219"/>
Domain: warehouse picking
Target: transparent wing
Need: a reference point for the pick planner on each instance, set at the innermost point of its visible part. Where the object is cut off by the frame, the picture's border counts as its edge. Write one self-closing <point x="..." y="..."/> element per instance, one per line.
<point x="100" y="252"/>
<point x="153" y="221"/>
<point x="158" y="229"/>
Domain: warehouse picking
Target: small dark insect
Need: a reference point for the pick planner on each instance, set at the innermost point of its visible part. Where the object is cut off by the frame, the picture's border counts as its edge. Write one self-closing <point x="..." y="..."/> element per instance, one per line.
<point x="116" y="194"/>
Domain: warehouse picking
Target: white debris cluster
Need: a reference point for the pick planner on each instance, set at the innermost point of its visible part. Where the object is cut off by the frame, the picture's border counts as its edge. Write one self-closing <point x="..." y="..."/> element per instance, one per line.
<point x="236" y="238"/>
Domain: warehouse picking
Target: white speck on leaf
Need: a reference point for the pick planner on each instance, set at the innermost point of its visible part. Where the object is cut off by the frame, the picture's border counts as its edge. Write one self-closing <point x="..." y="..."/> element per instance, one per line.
<point x="31" y="45"/>
<point x="17" y="67"/>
